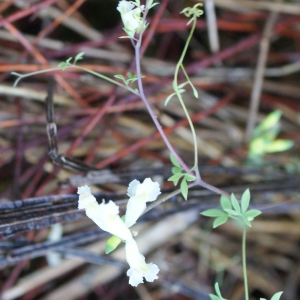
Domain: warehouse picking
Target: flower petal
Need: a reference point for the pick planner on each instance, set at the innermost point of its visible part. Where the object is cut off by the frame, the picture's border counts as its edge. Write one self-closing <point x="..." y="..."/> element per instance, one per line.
<point x="135" y="277"/>
<point x="148" y="190"/>
<point x="106" y="216"/>
<point x="108" y="219"/>
<point x="135" y="208"/>
<point x="151" y="274"/>
<point x="86" y="199"/>
<point x="138" y="267"/>
<point x="131" y="191"/>
<point x="125" y="6"/>
<point x="139" y="193"/>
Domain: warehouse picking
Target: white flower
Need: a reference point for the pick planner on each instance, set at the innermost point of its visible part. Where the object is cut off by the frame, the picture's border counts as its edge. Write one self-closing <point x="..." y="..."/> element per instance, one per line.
<point x="105" y="215"/>
<point x="86" y="199"/>
<point x="131" y="18"/>
<point x="139" y="194"/>
<point x="138" y="267"/>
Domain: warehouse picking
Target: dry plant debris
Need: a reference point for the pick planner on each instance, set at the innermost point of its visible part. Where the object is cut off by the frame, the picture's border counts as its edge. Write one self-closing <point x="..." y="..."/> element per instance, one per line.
<point x="244" y="61"/>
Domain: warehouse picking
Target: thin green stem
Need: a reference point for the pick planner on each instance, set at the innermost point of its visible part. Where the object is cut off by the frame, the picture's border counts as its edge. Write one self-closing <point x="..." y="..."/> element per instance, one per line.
<point x="105" y="78"/>
<point x="175" y="86"/>
<point x="21" y="76"/>
<point x="244" y="263"/>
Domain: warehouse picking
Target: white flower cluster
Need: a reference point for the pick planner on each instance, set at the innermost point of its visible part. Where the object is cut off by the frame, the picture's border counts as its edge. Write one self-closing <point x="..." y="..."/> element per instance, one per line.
<point x="131" y="17"/>
<point x="106" y="216"/>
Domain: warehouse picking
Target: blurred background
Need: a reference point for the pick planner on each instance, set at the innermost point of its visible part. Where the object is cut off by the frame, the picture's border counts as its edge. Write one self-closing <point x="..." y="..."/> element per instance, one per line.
<point x="244" y="61"/>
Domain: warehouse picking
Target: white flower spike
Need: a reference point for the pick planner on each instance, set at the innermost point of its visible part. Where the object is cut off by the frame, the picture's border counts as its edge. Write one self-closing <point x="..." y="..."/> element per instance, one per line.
<point x="138" y="267"/>
<point x="106" y="216"/>
<point x="139" y="194"/>
<point x="131" y="17"/>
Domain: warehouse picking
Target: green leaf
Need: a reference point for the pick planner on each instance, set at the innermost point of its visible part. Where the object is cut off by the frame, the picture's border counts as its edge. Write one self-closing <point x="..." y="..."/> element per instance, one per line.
<point x="180" y="86"/>
<point x="184" y="189"/>
<point x="257" y="146"/>
<point x="225" y="202"/>
<point x="245" y="200"/>
<point x="251" y="214"/>
<point x="232" y="212"/>
<point x="213" y="212"/>
<point x="270" y="120"/>
<point x="176" y="170"/>
<point x="189" y="177"/>
<point x="120" y="76"/>
<point x="169" y="98"/>
<point x="220" y="220"/>
<point x="62" y="65"/>
<point x="150" y="5"/>
<point x="217" y="289"/>
<point x="277" y="296"/>
<point x="68" y="60"/>
<point x="272" y="133"/>
<point x="174" y="161"/>
<point x="235" y="203"/>
<point x="175" y="177"/>
<point x="133" y="79"/>
<point x="214" y="297"/>
<point x="175" y="182"/>
<point x="247" y="221"/>
<point x="279" y="146"/>
<point x="112" y="243"/>
<point x="79" y="56"/>
<point x="195" y="92"/>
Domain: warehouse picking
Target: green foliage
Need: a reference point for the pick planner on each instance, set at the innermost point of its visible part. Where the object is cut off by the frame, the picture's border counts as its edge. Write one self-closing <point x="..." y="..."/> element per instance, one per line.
<point x="68" y="63"/>
<point x="150" y="4"/>
<point x="218" y="296"/>
<point x="79" y="56"/>
<point x="193" y="12"/>
<point x="264" y="138"/>
<point x="178" y="174"/>
<point x="275" y="296"/>
<point x="231" y="208"/>
<point x="179" y="89"/>
<point x="130" y="78"/>
<point x="112" y="243"/>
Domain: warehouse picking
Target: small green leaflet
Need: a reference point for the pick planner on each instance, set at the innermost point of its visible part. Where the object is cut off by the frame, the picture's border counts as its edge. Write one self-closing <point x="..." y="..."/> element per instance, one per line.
<point x="275" y="296"/>
<point x="112" y="243"/>
<point x="231" y="208"/>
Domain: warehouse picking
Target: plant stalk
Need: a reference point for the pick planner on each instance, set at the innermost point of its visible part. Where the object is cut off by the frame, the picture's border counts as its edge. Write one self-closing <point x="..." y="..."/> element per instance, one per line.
<point x="244" y="263"/>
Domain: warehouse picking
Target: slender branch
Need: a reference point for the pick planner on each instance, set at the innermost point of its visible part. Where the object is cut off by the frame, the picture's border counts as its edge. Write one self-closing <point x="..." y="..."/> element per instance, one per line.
<point x="244" y="263"/>
<point x="21" y="76"/>
<point x="153" y="116"/>
<point x="105" y="78"/>
<point x="165" y="198"/>
<point x="175" y="86"/>
<point x="211" y="187"/>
